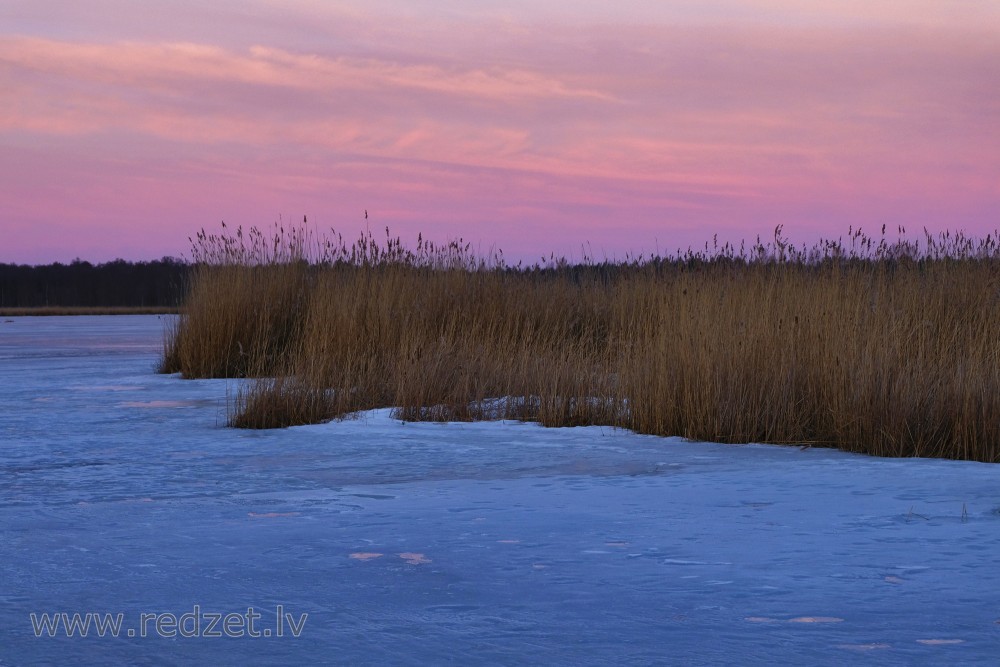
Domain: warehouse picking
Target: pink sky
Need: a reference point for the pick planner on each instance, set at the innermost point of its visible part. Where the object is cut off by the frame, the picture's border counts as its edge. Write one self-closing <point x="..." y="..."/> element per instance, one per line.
<point x="531" y="126"/>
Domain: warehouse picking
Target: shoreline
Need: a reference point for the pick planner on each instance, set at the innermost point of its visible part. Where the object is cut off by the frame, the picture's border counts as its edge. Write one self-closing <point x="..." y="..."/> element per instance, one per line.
<point x="50" y="311"/>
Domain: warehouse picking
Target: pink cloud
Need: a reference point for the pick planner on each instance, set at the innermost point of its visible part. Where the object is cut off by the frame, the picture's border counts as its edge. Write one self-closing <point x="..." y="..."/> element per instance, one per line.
<point x="527" y="134"/>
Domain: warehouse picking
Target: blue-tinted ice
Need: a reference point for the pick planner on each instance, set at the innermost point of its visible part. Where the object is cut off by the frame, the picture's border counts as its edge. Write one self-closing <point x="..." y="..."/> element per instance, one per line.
<point x="121" y="491"/>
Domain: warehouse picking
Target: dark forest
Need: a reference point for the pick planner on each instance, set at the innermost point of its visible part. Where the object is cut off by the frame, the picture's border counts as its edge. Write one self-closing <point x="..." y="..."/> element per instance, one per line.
<point x="80" y="284"/>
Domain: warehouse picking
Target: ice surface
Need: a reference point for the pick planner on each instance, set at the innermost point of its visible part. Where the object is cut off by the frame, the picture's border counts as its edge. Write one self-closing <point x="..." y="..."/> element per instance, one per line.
<point x="484" y="543"/>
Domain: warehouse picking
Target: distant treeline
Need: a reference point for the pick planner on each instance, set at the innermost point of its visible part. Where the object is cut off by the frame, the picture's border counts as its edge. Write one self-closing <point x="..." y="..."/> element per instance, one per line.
<point x="159" y="283"/>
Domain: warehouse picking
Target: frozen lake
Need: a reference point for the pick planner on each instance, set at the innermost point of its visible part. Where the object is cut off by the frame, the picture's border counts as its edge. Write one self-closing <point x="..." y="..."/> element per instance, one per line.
<point x="122" y="492"/>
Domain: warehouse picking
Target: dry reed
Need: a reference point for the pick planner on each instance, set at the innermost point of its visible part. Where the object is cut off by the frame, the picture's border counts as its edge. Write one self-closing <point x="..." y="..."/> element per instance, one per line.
<point x="886" y="348"/>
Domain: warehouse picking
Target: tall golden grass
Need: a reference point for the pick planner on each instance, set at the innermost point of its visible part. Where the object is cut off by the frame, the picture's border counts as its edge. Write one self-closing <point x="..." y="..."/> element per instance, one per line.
<point x="885" y="348"/>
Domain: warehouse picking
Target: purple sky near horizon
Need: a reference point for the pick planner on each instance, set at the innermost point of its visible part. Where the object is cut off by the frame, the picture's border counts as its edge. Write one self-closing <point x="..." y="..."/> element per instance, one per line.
<point x="533" y="127"/>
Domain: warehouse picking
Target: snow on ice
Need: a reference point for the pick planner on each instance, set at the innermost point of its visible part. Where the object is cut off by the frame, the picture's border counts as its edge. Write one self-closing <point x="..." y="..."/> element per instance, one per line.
<point x="122" y="492"/>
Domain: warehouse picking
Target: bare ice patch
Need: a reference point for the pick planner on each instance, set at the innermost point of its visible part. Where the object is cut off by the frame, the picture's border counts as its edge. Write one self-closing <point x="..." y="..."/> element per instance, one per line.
<point x="414" y="558"/>
<point x="166" y="404"/>
<point x="798" y="619"/>
<point x="106" y="387"/>
<point x="874" y="646"/>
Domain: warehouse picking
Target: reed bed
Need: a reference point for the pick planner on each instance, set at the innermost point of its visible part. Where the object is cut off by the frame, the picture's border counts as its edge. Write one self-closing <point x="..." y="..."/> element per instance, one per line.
<point x="886" y="348"/>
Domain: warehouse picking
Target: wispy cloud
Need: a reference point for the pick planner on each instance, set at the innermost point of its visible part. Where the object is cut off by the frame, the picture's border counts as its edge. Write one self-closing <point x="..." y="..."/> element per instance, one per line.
<point x="155" y="66"/>
<point x="681" y="116"/>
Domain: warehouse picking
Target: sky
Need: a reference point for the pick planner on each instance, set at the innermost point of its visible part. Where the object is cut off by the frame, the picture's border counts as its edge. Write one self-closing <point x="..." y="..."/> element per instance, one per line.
<point x="572" y="128"/>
